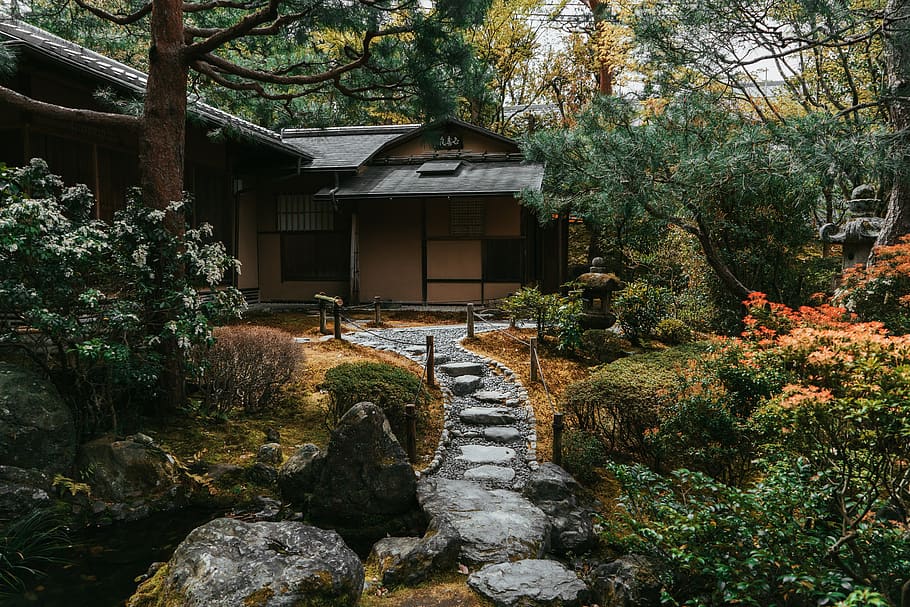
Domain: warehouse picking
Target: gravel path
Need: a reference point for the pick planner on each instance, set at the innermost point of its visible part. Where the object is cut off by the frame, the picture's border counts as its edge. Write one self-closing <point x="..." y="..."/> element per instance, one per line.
<point x="489" y="434"/>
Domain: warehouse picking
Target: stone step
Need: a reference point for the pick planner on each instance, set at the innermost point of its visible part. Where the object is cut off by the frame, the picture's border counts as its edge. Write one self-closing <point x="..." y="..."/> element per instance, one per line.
<point x="462" y="368"/>
<point x="416" y="350"/>
<point x="495" y="525"/>
<point x="529" y="582"/>
<point x="483" y="454"/>
<point x="487" y="416"/>
<point x="465" y="384"/>
<point x="502" y="434"/>
<point x="490" y="396"/>
<point x="489" y="472"/>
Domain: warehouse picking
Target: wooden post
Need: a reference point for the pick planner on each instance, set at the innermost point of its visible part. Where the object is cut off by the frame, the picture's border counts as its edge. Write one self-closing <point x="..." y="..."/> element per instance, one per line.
<point x="410" y="414"/>
<point x="336" y="312"/>
<point x="322" y="314"/>
<point x="558" y="425"/>
<point x="470" y="320"/>
<point x="431" y="362"/>
<point x="534" y="362"/>
<point x="377" y="314"/>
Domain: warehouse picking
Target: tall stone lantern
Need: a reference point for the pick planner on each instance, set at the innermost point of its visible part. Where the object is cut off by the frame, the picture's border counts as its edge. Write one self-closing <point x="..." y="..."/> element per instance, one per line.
<point x="858" y="232"/>
<point x="597" y="288"/>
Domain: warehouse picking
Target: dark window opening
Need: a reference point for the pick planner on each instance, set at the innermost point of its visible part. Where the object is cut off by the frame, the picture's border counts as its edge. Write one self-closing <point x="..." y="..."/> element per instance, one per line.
<point x="300" y="213"/>
<point x="503" y="260"/>
<point x="314" y="256"/>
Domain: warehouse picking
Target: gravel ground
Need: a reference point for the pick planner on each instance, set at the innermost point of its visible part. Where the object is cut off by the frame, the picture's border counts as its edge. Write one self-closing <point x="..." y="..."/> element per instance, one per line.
<point x="495" y="377"/>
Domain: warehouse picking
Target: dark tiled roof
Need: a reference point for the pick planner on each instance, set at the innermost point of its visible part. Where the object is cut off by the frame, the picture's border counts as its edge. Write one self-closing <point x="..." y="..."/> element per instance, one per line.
<point x="120" y="74"/>
<point x="342" y="147"/>
<point x="485" y="178"/>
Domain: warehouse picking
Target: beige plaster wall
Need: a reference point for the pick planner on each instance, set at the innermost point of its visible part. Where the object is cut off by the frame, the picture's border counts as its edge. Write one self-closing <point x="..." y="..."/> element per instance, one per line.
<point x="453" y="292"/>
<point x="390" y="250"/>
<point x="503" y="217"/>
<point x="498" y="290"/>
<point x="453" y="259"/>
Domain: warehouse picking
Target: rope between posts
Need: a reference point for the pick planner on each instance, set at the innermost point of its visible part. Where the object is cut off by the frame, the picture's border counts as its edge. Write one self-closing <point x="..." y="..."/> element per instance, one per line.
<point x="543" y="380"/>
<point x="375" y="334"/>
<point x="361" y="307"/>
<point x="503" y="331"/>
<point x="419" y="384"/>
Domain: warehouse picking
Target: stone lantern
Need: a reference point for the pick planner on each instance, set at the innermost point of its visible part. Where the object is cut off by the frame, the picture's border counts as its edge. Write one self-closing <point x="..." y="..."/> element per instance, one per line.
<point x="597" y="288"/>
<point x="858" y="233"/>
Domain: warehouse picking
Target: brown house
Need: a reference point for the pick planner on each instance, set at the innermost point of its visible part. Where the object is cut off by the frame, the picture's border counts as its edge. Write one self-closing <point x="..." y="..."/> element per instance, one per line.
<point x="410" y="213"/>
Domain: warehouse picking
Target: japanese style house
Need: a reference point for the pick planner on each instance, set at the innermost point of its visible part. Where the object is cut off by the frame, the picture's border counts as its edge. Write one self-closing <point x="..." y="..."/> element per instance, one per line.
<point x="409" y="213"/>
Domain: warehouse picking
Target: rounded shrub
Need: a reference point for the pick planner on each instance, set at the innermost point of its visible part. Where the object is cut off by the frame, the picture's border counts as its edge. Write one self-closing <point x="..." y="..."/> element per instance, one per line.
<point x="640" y="307"/>
<point x="602" y="346"/>
<point x="386" y="386"/>
<point x="673" y="331"/>
<point x="246" y="367"/>
<point x="582" y="454"/>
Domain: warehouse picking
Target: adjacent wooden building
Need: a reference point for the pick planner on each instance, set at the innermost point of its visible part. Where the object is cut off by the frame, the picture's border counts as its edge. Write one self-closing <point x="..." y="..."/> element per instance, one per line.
<point x="409" y="213"/>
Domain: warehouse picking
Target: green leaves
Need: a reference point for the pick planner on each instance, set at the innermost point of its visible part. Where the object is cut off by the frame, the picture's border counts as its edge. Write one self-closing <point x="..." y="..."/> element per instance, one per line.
<point x="82" y="295"/>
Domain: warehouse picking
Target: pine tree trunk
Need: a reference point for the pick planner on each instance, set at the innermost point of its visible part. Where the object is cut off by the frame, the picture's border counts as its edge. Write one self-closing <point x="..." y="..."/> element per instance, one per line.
<point x="162" y="163"/>
<point x="897" y="53"/>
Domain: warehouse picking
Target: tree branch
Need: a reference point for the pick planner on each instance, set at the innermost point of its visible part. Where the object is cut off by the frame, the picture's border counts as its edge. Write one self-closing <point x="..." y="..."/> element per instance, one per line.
<point x="119" y="19"/>
<point x="228" y="67"/>
<point x="21" y="102"/>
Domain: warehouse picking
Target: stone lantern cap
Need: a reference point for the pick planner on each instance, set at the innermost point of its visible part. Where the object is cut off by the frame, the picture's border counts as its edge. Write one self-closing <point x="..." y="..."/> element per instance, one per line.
<point x="598" y="279"/>
<point x="861" y="226"/>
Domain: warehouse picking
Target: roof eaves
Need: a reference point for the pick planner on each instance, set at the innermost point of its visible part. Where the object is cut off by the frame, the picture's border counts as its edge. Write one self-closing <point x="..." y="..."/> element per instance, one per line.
<point x="63" y="51"/>
<point x="342" y="131"/>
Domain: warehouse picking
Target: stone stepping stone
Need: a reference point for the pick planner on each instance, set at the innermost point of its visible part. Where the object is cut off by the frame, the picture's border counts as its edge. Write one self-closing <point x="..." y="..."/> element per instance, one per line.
<point x="466" y="384"/>
<point x="490" y="473"/>
<point x="487" y="416"/>
<point x="462" y="368"/>
<point x="529" y="583"/>
<point x="416" y="350"/>
<point x="482" y="454"/>
<point x="495" y="525"/>
<point x="502" y="434"/>
<point x="440" y="359"/>
<point x="490" y="396"/>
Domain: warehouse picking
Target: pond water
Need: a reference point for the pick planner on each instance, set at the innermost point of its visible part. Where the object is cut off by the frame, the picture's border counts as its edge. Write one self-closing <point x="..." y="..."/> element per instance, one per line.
<point x="104" y="561"/>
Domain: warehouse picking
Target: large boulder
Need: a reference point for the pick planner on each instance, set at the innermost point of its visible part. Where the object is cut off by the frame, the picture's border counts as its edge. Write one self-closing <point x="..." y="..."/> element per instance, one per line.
<point x="529" y="583"/>
<point x="299" y="475"/>
<point x="22" y="491"/>
<point x="408" y="561"/>
<point x="554" y="491"/>
<point x="229" y="563"/>
<point x="366" y="486"/>
<point x="494" y="525"/>
<point x="129" y="478"/>
<point x="37" y="429"/>
<point x="629" y="581"/>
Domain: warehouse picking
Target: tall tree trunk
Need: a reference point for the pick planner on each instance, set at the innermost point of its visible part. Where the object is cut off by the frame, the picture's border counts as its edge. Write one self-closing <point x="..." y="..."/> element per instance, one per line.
<point x="714" y="259"/>
<point x="604" y="71"/>
<point x="161" y="165"/>
<point x="897" y="53"/>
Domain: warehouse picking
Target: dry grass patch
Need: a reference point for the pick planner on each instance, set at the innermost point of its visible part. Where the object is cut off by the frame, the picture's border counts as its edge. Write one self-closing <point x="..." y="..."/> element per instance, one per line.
<point x="448" y="590"/>
<point x="299" y="413"/>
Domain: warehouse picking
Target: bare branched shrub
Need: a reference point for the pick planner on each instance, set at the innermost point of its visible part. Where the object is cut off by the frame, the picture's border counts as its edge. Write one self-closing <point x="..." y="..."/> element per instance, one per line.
<point x="245" y="367"/>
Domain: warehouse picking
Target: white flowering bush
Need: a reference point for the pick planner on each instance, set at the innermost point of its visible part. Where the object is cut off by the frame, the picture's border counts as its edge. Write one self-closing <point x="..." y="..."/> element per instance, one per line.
<point x="92" y="302"/>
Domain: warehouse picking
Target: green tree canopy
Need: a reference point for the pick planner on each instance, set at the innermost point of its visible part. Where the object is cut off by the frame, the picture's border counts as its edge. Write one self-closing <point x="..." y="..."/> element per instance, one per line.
<point x="745" y="189"/>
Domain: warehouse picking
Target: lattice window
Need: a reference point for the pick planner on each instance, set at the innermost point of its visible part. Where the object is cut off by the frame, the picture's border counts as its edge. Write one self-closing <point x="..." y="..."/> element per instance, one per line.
<point x="466" y="218"/>
<point x="300" y="213"/>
